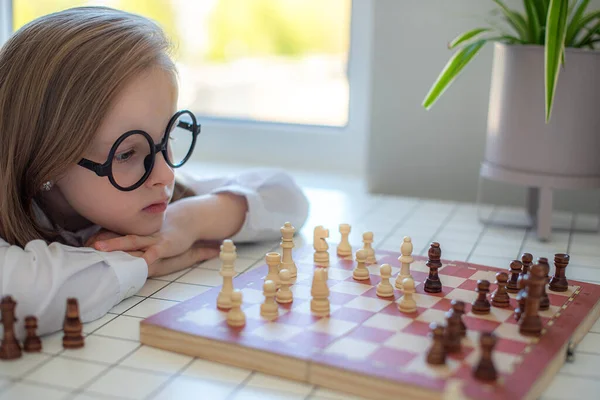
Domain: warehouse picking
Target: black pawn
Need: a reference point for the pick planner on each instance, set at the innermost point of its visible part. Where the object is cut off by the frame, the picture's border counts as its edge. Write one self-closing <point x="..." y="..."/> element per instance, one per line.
<point x="545" y="300"/>
<point x="481" y="305"/>
<point x="516" y="267"/>
<point x="436" y="355"/>
<point x="458" y="307"/>
<point x="500" y="296"/>
<point x="452" y="336"/>
<point x="433" y="283"/>
<point x="559" y="281"/>
<point x="484" y="370"/>
<point x="527" y="261"/>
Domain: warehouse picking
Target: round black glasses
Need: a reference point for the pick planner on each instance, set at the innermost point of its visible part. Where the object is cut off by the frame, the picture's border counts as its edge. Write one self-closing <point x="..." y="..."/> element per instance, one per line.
<point x="131" y="158"/>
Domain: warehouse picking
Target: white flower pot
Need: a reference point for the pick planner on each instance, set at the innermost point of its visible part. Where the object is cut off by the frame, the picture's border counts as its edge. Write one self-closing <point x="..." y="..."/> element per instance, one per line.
<point x="518" y="138"/>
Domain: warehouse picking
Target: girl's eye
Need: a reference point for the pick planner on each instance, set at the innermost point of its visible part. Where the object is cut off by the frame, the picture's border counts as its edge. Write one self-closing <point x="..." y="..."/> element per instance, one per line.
<point x="123" y="157"/>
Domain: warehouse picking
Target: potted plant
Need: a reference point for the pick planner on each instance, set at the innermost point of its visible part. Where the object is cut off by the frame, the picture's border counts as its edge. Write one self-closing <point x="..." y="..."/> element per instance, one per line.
<point x="543" y="126"/>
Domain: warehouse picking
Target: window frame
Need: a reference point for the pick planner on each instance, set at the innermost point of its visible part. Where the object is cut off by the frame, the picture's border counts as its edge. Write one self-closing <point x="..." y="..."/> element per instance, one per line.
<point x="296" y="146"/>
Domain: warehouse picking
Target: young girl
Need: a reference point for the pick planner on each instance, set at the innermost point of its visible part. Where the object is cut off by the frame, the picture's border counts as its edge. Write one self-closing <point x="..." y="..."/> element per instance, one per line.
<point x="90" y="136"/>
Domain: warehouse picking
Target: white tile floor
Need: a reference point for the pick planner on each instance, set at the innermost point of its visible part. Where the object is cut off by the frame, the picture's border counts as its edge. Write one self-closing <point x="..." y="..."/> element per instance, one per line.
<point x="113" y="365"/>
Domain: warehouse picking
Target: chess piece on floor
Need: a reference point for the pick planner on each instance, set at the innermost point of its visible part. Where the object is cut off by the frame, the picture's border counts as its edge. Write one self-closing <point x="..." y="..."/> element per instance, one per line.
<point x="458" y="307"/>
<point x="368" y="247"/>
<point x="319" y="305"/>
<point x="32" y="342"/>
<point x="385" y="288"/>
<point x="516" y="267"/>
<point x="228" y="256"/>
<point x="269" y="309"/>
<point x="10" y="348"/>
<point x="361" y="272"/>
<point x="72" y="326"/>
<point x="530" y="323"/>
<point x="236" y="317"/>
<point x="284" y="294"/>
<point x="452" y="333"/>
<point x="433" y="283"/>
<point x="321" y="256"/>
<point x="485" y="370"/>
<point x="407" y="303"/>
<point x="481" y="305"/>
<point x="527" y="261"/>
<point x="500" y="296"/>
<point x="559" y="281"/>
<point x="436" y="355"/>
<point x="287" y="244"/>
<point x="406" y="258"/>
<point x="545" y="300"/>
<point x="344" y="249"/>
<point x="273" y="260"/>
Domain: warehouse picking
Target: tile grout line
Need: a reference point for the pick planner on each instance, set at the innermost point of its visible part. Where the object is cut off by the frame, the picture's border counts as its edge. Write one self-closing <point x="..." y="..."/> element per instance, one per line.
<point x="177" y="374"/>
<point x="440" y="227"/>
<point x="481" y="234"/>
<point x="241" y="385"/>
<point x="399" y="224"/>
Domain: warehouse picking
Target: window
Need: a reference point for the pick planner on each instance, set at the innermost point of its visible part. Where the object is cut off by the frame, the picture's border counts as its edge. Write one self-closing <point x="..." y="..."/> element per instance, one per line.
<point x="282" y="74"/>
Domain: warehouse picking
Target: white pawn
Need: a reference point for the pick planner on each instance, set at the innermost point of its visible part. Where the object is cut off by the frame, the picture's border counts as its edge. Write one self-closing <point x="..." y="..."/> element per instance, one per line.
<point x="319" y="305"/>
<point x="407" y="303"/>
<point x="385" y="288"/>
<point x="273" y="260"/>
<point x="236" y="317"/>
<point x="405" y="260"/>
<point x="361" y="273"/>
<point x="367" y="245"/>
<point x="344" y="249"/>
<point x="269" y="309"/>
<point x="284" y="294"/>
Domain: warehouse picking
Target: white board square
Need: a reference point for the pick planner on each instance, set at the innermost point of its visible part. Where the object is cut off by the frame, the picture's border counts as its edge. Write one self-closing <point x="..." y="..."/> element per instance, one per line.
<point x="352" y="348"/>
<point x="333" y="327"/>
<point x="388" y="322"/>
<point x="274" y="331"/>
<point x="349" y="288"/>
<point x="368" y="303"/>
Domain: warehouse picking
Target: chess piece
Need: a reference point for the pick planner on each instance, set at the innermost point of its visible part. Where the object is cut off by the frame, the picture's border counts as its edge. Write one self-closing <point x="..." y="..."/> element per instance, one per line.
<point x="527" y="261"/>
<point x="530" y="323"/>
<point x="344" y="249"/>
<point x="385" y="288"/>
<point x="10" y="348"/>
<point x="287" y="244"/>
<point x="545" y="300"/>
<point x="273" y="260"/>
<point x="433" y="283"/>
<point x="284" y="294"/>
<point x="521" y="296"/>
<point x="481" y="305"/>
<point x="484" y="370"/>
<point x="269" y="309"/>
<point x="406" y="249"/>
<point x="500" y="296"/>
<point x="407" y="303"/>
<point x="452" y="333"/>
<point x="559" y="281"/>
<point x="228" y="256"/>
<point x="236" y="317"/>
<point x="319" y="305"/>
<point x="321" y="256"/>
<point x="32" y="342"/>
<point x="437" y="352"/>
<point x="368" y="247"/>
<point x="72" y="326"/>
<point x="516" y="267"/>
<point x="458" y="307"/>
<point x="361" y="273"/>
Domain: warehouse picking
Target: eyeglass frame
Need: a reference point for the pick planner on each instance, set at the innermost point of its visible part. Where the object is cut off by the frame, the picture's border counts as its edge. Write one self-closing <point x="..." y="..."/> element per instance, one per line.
<point x="105" y="169"/>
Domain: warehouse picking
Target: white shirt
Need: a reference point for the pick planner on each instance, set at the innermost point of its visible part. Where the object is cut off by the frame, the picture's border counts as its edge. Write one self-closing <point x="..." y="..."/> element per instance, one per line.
<point x="40" y="277"/>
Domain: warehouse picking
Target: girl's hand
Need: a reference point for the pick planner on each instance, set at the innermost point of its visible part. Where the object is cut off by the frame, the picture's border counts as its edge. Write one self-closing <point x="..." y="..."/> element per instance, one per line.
<point x="104" y="234"/>
<point x="194" y="255"/>
<point x="174" y="239"/>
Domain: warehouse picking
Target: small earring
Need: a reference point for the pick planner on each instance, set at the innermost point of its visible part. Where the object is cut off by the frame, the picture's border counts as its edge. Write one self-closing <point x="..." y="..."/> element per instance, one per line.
<point x="46" y="186"/>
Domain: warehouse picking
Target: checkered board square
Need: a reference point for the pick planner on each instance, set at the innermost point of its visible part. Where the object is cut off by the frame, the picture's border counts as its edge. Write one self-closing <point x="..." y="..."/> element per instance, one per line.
<point x="366" y="346"/>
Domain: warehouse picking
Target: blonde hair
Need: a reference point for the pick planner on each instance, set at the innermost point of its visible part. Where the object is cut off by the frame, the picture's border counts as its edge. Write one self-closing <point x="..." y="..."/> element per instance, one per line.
<point x="59" y="75"/>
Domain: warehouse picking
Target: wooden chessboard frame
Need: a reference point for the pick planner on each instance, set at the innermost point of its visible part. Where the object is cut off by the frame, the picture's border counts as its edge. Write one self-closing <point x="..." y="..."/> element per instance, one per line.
<point x="584" y="311"/>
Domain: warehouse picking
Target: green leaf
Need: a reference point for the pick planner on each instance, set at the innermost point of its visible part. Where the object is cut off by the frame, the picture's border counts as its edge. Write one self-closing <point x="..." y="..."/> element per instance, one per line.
<point x="578" y="25"/>
<point x="515" y="19"/>
<point x="586" y="39"/>
<point x="556" y="31"/>
<point x="578" y="9"/>
<point x="460" y="39"/>
<point x="533" y="21"/>
<point x="453" y="67"/>
<point x="542" y="10"/>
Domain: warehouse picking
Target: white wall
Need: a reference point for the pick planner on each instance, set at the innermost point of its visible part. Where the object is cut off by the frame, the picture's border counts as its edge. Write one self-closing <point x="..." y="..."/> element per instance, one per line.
<point x="435" y="153"/>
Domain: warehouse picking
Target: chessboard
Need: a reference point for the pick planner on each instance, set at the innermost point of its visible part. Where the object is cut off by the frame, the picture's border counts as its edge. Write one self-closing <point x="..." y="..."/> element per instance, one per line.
<point x="365" y="346"/>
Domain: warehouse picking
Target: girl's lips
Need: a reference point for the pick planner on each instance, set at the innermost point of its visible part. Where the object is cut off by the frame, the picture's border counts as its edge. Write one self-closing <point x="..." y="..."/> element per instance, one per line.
<point x="156" y="208"/>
